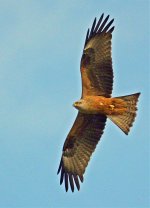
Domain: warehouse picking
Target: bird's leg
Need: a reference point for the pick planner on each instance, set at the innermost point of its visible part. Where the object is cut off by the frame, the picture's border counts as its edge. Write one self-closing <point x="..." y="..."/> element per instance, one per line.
<point x="112" y="107"/>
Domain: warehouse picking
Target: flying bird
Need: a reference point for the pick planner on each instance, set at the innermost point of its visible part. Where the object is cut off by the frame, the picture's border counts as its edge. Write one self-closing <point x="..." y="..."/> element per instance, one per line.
<point x="95" y="105"/>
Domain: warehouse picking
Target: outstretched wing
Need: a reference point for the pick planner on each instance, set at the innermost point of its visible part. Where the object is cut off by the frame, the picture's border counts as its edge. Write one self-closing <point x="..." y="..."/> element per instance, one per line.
<point x="96" y="62"/>
<point x="78" y="148"/>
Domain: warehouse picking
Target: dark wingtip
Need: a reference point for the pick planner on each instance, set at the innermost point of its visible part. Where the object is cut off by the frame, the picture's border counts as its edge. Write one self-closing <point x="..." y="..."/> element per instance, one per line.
<point x="76" y="181"/>
<point x="66" y="181"/>
<point x="101" y="17"/>
<point x="62" y="176"/>
<point x="98" y="23"/>
<point x="87" y="36"/>
<point x="138" y="94"/>
<point x="93" y="27"/>
<point x="99" y="27"/>
<point x="69" y="178"/>
<point x="111" y="29"/>
<point x="81" y="178"/>
<point x="59" y="168"/>
<point x="71" y="182"/>
<point x="107" y="26"/>
<point x="103" y="24"/>
<point x="94" y="22"/>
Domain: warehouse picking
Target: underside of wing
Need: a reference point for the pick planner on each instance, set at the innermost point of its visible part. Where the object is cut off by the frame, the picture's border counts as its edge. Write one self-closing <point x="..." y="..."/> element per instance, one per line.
<point x="78" y="148"/>
<point x="96" y="61"/>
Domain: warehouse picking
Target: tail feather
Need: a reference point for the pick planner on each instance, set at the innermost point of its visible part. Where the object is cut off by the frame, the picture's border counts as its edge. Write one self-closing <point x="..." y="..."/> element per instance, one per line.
<point x="125" y="120"/>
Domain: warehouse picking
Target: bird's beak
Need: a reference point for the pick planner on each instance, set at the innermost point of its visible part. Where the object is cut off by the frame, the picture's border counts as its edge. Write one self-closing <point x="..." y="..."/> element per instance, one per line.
<point x="74" y="105"/>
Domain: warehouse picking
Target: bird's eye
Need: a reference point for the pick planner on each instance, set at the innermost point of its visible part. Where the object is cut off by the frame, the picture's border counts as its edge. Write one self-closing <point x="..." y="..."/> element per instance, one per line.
<point x="78" y="102"/>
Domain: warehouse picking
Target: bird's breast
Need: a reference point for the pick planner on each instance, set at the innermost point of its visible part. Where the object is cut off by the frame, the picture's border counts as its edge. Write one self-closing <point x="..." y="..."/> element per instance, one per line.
<point x="103" y="105"/>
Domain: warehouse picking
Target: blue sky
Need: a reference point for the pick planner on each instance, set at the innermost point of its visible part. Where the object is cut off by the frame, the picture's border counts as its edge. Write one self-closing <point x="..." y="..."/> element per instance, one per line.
<point x="41" y="44"/>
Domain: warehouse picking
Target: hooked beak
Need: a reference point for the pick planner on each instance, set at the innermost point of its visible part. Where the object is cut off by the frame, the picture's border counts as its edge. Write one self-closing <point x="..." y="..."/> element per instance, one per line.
<point x="74" y="105"/>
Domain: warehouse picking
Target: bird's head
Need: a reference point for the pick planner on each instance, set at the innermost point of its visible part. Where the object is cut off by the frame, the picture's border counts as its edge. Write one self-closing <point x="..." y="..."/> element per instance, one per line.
<point x="79" y="104"/>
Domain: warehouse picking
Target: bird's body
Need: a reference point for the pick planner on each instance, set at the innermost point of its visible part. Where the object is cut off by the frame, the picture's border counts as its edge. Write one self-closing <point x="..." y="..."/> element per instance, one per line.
<point x="101" y="105"/>
<point x="95" y="105"/>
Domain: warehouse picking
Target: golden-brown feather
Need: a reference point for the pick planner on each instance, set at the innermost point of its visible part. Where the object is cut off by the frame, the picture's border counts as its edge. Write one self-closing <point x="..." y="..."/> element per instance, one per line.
<point x="79" y="145"/>
<point x="96" y="66"/>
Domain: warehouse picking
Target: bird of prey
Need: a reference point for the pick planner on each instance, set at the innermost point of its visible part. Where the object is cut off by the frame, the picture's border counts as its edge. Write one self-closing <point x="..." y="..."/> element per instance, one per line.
<point x="95" y="105"/>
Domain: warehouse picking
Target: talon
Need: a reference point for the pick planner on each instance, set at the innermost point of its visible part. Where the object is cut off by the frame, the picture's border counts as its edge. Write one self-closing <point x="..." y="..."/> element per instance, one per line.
<point x="112" y="107"/>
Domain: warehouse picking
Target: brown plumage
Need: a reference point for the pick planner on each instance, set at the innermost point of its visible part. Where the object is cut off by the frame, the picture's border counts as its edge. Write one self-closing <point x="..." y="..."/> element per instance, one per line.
<point x="95" y="105"/>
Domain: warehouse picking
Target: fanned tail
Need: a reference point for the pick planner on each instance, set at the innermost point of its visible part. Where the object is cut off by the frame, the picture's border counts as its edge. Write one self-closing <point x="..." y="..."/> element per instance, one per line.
<point x="125" y="120"/>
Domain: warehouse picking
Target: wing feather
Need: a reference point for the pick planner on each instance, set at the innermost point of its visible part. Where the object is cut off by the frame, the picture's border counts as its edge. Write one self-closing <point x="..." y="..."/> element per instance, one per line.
<point x="78" y="148"/>
<point x="99" y="22"/>
<point x="96" y="61"/>
<point x="66" y="181"/>
<point x="71" y="182"/>
<point x="87" y="37"/>
<point x="92" y="29"/>
<point x="77" y="182"/>
<point x="103" y="24"/>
